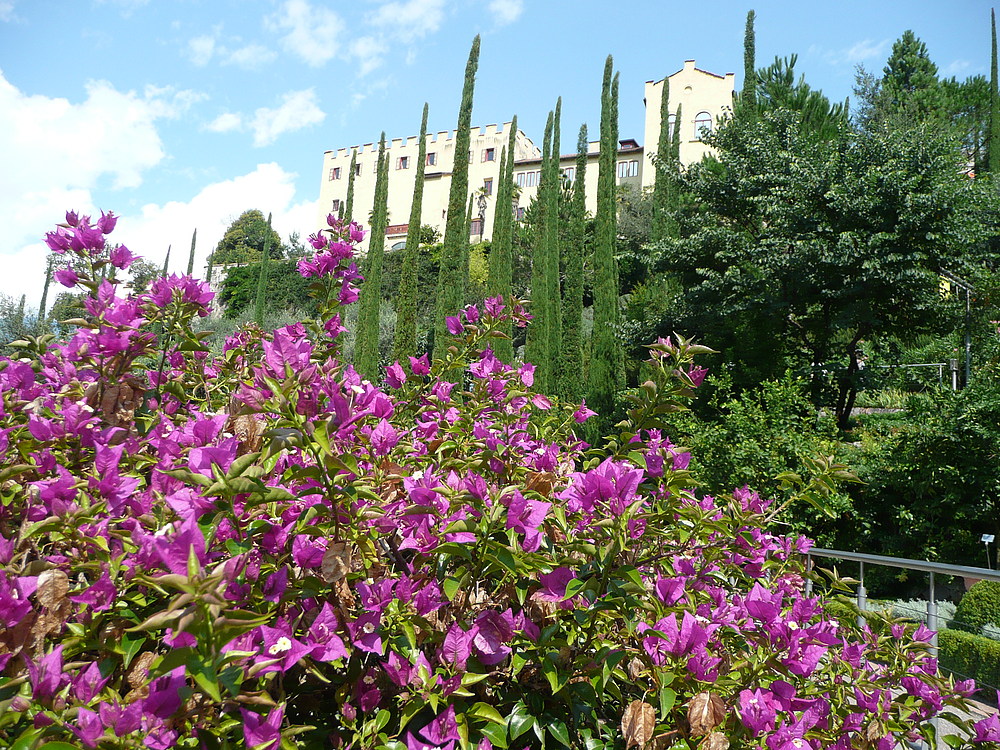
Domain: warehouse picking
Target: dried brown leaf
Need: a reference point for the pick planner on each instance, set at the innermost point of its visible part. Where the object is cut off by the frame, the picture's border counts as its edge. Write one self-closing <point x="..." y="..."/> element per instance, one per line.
<point x="705" y="712"/>
<point x="53" y="585"/>
<point x="638" y="722"/>
<point x="541" y="482"/>
<point x="139" y="673"/>
<point x="336" y="562"/>
<point x="715" y="741"/>
<point x="635" y="668"/>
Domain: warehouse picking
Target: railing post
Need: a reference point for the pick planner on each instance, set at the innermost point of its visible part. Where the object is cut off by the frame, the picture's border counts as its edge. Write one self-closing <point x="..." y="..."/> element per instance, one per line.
<point x="809" y="580"/>
<point x="862" y="595"/>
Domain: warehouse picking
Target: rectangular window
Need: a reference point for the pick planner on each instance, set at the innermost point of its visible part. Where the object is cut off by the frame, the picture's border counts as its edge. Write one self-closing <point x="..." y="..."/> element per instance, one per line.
<point x="403" y="162"/>
<point x="470" y="156"/>
<point x="357" y="170"/>
<point x="488" y="186"/>
<point x="628" y="168"/>
<point x="569" y="174"/>
<point x="336" y="205"/>
<point x="519" y="178"/>
<point x="520" y="213"/>
<point x="489" y="154"/>
<point x="476" y="227"/>
<point x="432" y="159"/>
<point x="334" y="173"/>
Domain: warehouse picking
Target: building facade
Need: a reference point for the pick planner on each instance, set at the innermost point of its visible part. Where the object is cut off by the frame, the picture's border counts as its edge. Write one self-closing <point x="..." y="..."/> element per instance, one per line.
<point x="705" y="98"/>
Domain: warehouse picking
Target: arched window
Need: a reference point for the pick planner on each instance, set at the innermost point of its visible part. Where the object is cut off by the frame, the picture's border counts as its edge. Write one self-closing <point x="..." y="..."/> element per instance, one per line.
<point x="703" y="122"/>
<point x="671" y="124"/>
<point x="399" y="246"/>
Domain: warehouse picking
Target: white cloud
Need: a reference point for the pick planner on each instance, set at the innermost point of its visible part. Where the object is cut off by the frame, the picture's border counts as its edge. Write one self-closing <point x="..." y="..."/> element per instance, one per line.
<point x="312" y="32"/>
<point x="298" y="110"/>
<point x="410" y="20"/>
<point x="227" y="122"/>
<point x="368" y="51"/>
<point x="250" y="57"/>
<point x="153" y="228"/>
<point x="200" y="50"/>
<point x="956" y="68"/>
<point x="54" y="152"/>
<point x="7" y="10"/>
<point x="506" y="11"/>
<point x="859" y="52"/>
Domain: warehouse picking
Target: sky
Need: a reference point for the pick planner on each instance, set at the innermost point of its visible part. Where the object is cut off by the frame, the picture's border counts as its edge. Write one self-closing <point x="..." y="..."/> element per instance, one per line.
<point x="181" y="114"/>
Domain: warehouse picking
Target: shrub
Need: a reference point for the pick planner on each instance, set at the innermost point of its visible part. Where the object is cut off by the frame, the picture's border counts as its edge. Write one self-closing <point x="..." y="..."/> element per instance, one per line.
<point x="970" y="656"/>
<point x="980" y="606"/>
<point x="261" y="549"/>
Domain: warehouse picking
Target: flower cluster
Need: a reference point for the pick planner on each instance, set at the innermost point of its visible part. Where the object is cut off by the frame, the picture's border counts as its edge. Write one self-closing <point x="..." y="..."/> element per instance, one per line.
<point x="261" y="549"/>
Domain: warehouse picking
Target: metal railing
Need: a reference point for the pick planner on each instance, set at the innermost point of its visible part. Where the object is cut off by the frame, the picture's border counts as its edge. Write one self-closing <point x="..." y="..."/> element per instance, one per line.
<point x="961" y="571"/>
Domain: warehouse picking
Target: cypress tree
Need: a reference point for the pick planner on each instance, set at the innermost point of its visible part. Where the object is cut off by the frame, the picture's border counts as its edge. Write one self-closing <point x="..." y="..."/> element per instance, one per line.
<point x="449" y="277"/>
<point x="552" y="252"/>
<point x="677" y="137"/>
<point x="348" y="209"/>
<point x="366" y="342"/>
<point x="994" y="149"/>
<point x="258" y="307"/>
<point x="404" y="341"/>
<point x="571" y="365"/>
<point x="664" y="165"/>
<point x="463" y="262"/>
<point x="211" y="263"/>
<point x="194" y="239"/>
<point x="607" y="364"/>
<point x="166" y="261"/>
<point x="748" y="95"/>
<point x="536" y="345"/>
<point x="19" y="316"/>
<point x="501" y="265"/>
<point x="45" y="289"/>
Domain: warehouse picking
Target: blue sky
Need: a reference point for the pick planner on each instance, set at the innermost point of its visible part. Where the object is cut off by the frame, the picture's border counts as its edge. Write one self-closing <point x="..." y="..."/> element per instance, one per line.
<point x="179" y="114"/>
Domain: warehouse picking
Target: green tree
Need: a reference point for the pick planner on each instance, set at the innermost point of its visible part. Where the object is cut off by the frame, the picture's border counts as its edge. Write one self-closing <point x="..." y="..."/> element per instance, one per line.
<point x="748" y="95"/>
<point x="265" y="258"/>
<point x="194" y="240"/>
<point x="501" y="265"/>
<point x="778" y="88"/>
<point x="814" y="247"/>
<point x="571" y="369"/>
<point x="994" y="135"/>
<point x="366" y="347"/>
<point x="349" y="207"/>
<point x="166" y="261"/>
<point x="243" y="241"/>
<point x="456" y="233"/>
<point x="405" y="334"/>
<point x="538" y="338"/>
<point x="666" y="167"/>
<point x="607" y="369"/>
<point x="49" y="270"/>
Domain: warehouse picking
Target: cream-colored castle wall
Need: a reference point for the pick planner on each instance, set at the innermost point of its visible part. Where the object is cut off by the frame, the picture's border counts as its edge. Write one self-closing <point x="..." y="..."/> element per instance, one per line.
<point x="696" y="91"/>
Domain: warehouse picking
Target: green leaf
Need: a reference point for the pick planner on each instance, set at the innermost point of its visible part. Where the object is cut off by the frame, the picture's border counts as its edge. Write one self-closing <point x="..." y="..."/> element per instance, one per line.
<point x="574" y="587"/>
<point x="58" y="745"/>
<point x="497" y="734"/>
<point x="667" y="698"/>
<point x="557" y="728"/>
<point x="241" y="464"/>
<point x="486" y="711"/>
<point x="519" y="722"/>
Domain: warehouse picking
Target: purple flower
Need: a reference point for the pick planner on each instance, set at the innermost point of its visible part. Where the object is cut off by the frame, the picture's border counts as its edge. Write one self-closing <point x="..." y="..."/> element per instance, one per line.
<point x="757" y="710"/>
<point x="443" y="729"/>
<point x="454" y="325"/>
<point x="164" y="698"/>
<point x="263" y="733"/>
<point x="100" y="595"/>
<point x="72" y="218"/>
<point x="554" y="585"/>
<point x="327" y="645"/>
<point x="457" y="646"/>
<point x="121" y="720"/>
<point x="46" y="676"/>
<point x="492" y="632"/>
<point x="384" y="438"/>
<point x="88" y="727"/>
<point x="67" y="277"/>
<point x="395" y="375"/>
<point x="89" y="683"/>
<point x="583" y="413"/>
<point x="107" y="222"/>
<point x="420" y="365"/>
<point x="364" y="632"/>
<point x="279" y="644"/>
<point x="121" y="257"/>
<point x="525" y="516"/>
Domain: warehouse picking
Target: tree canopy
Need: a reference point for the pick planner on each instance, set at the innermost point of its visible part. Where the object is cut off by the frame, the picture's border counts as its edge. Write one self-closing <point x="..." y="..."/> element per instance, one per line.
<point x="243" y="242"/>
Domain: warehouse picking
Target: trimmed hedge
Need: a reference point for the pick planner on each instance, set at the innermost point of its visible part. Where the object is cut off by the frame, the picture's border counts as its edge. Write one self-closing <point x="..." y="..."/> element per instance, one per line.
<point x="969" y="655"/>
<point x="980" y="606"/>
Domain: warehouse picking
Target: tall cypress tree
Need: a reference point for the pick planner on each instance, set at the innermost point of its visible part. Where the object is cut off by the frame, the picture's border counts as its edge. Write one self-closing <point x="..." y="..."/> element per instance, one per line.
<point x="258" y="307"/>
<point x="463" y="261"/>
<point x="211" y="263"/>
<point x="166" y="261"/>
<point x="45" y="289"/>
<point x="449" y="277"/>
<point x="404" y="341"/>
<point x="662" y="192"/>
<point x="501" y="265"/>
<point x="571" y="365"/>
<point x="194" y="239"/>
<point x="748" y="95"/>
<point x="607" y="363"/>
<point x="676" y="146"/>
<point x="553" y="253"/>
<point x="370" y="297"/>
<point x="348" y="209"/>
<point x="994" y="150"/>
<point x="537" y="343"/>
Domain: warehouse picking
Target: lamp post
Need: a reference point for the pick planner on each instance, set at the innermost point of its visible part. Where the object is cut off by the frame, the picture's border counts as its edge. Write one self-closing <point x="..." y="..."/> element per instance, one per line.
<point x="968" y="288"/>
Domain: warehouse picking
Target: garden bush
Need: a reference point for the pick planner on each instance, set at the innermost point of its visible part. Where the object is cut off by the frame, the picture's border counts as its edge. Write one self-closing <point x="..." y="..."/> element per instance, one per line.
<point x="979" y="607"/>
<point x="261" y="550"/>
<point x="970" y="656"/>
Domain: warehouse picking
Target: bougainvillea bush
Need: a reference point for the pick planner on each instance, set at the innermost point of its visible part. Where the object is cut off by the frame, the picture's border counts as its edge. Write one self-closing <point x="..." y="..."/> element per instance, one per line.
<point x="261" y="550"/>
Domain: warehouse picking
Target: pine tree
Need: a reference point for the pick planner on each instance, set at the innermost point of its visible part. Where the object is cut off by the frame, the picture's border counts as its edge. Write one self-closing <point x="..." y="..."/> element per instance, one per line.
<point x="536" y="345"/>
<point x="994" y="133"/>
<point x="366" y="342"/>
<point x="606" y="364"/>
<point x="348" y="205"/>
<point x="664" y="163"/>
<point x="258" y="308"/>
<point x="571" y="369"/>
<point x="500" y="279"/>
<point x="748" y="95"/>
<point x="194" y="239"/>
<point x="455" y="234"/>
<point x="552" y="254"/>
<point x="404" y="343"/>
